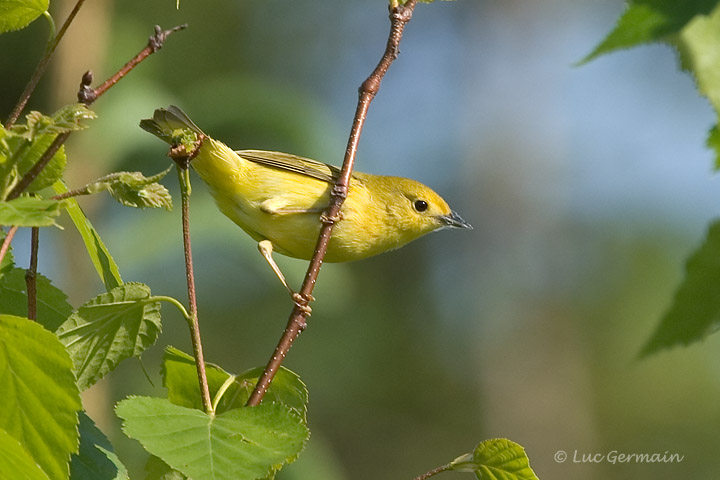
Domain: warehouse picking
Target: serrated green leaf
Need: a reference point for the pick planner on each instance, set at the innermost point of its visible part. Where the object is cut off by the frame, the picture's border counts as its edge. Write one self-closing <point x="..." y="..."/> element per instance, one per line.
<point x="29" y="212"/>
<point x="16" y="462"/>
<point x="695" y="310"/>
<point x="110" y="328"/>
<point x="17" y="14"/>
<point x="39" y="401"/>
<point x="52" y="306"/>
<point x="99" y="255"/>
<point x="647" y="21"/>
<point x="496" y="459"/>
<point x="180" y="378"/>
<point x="240" y="444"/>
<point x="156" y="469"/>
<point x="95" y="460"/>
<point x="54" y="169"/>
<point x="70" y="118"/>
<point x="133" y="189"/>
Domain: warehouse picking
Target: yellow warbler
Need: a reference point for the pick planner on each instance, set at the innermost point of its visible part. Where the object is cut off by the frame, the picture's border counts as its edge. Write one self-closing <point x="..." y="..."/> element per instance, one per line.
<point x="277" y="198"/>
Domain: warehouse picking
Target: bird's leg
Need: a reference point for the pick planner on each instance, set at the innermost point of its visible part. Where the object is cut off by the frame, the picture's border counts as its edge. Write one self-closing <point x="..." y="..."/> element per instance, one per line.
<point x="265" y="247"/>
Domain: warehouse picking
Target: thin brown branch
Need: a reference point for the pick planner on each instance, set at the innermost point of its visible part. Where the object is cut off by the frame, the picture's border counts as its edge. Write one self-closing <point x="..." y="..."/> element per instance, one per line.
<point x="400" y="15"/>
<point x="41" y="67"/>
<point x="432" y="472"/>
<point x="78" y="192"/>
<point x="35" y="170"/>
<point x="7" y="241"/>
<point x="192" y="299"/>
<point x="87" y="96"/>
<point x="31" y="274"/>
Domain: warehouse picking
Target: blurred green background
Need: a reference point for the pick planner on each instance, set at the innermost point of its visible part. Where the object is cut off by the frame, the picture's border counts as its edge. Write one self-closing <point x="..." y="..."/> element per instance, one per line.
<point x="587" y="188"/>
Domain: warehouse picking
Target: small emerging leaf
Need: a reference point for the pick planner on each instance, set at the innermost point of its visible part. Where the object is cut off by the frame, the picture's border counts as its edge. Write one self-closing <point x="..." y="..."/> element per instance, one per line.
<point x="695" y="310"/>
<point x="99" y="255"/>
<point x="496" y="459"/>
<point x="241" y="444"/>
<point x="133" y="189"/>
<point x="17" y="14"/>
<point x="69" y="118"/>
<point x="109" y="328"/>
<point x="39" y="401"/>
<point x="29" y="212"/>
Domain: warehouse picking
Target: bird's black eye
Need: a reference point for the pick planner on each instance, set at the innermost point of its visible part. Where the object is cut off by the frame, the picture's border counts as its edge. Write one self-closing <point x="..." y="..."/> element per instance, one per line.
<point x="420" y="205"/>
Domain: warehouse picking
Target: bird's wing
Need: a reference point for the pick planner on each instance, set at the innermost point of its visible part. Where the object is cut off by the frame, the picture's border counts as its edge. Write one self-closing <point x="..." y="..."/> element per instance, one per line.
<point x="292" y="163"/>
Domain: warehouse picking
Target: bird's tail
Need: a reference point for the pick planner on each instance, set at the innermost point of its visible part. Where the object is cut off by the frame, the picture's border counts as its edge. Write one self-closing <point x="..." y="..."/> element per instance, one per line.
<point x="170" y="124"/>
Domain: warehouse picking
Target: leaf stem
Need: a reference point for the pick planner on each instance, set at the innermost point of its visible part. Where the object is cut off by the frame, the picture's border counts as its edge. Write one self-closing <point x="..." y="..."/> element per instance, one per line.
<point x="221" y="391"/>
<point x="400" y="15"/>
<point x="184" y="179"/>
<point x="434" y="471"/>
<point x="8" y="240"/>
<point x="174" y="301"/>
<point x="42" y="65"/>
<point x="31" y="274"/>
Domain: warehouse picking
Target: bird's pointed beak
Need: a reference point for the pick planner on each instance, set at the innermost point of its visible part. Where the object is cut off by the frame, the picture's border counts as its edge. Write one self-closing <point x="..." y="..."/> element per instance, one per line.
<point x="455" y="221"/>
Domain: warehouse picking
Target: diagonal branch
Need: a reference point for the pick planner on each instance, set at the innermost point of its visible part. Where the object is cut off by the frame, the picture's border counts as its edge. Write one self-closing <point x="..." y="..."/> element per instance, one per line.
<point x="87" y="96"/>
<point x="41" y="67"/>
<point x="400" y="15"/>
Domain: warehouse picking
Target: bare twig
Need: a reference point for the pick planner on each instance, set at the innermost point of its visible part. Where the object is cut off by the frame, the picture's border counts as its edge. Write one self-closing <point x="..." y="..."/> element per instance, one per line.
<point x="6" y="243"/>
<point x="87" y="96"/>
<point x="42" y="65"/>
<point x="432" y="472"/>
<point x="31" y="274"/>
<point x="192" y="302"/>
<point x="400" y="15"/>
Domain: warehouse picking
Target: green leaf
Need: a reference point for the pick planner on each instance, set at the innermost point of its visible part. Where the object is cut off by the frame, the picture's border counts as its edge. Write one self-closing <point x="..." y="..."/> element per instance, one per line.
<point x="52" y="305"/>
<point x="25" y="144"/>
<point x="95" y="459"/>
<point x="16" y="462"/>
<point x="39" y="401"/>
<point x="99" y="255"/>
<point x="646" y="21"/>
<point x="240" y="444"/>
<point x="29" y="212"/>
<point x="180" y="378"/>
<point x="70" y="118"/>
<point x="713" y="143"/>
<point x="133" y="189"/>
<point x="158" y="470"/>
<point x="109" y="328"/>
<point x="695" y="310"/>
<point x="17" y="14"/>
<point x="52" y="172"/>
<point x="496" y="459"/>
